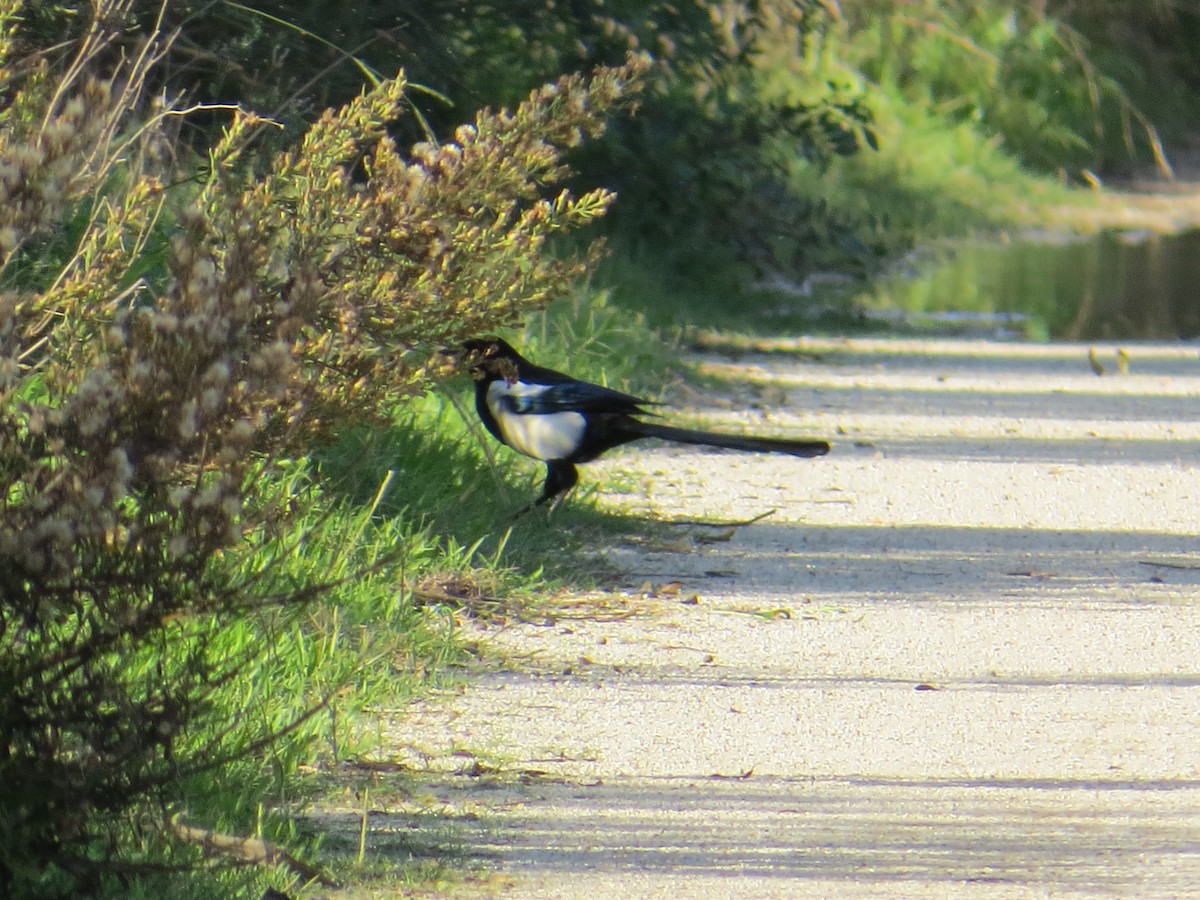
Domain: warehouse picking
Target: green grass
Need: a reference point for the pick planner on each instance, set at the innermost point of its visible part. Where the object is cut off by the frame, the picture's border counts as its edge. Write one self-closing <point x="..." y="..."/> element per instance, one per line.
<point x="407" y="532"/>
<point x="399" y="537"/>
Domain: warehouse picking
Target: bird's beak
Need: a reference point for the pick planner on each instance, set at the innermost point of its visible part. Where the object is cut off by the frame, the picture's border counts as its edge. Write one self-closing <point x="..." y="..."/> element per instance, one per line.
<point x="456" y="359"/>
<point x="447" y="361"/>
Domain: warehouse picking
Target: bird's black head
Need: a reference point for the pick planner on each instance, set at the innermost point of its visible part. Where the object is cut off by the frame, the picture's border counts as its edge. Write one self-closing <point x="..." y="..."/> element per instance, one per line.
<point x="490" y="357"/>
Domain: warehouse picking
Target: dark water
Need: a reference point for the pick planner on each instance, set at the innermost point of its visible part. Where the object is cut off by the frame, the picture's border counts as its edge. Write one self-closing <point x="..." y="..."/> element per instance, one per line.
<point x="1113" y="286"/>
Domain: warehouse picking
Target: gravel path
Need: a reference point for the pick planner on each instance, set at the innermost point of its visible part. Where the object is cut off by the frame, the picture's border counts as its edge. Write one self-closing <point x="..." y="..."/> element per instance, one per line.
<point x="961" y="658"/>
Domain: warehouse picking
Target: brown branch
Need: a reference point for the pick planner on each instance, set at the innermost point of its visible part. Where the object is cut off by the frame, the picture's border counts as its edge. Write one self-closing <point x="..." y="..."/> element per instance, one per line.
<point x="716" y="523"/>
<point x="248" y="850"/>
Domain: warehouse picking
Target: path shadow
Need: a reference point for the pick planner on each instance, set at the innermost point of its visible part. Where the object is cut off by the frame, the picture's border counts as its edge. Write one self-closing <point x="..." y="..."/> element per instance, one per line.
<point x="1052" y="834"/>
<point x="1055" y="835"/>
<point x="1006" y="565"/>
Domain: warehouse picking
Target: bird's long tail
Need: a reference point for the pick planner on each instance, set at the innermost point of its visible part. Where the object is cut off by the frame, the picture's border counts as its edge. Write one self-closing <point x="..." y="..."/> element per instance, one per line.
<point x="729" y="441"/>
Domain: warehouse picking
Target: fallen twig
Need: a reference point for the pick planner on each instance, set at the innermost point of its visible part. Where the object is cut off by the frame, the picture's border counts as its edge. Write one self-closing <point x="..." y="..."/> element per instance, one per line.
<point x="1164" y="564"/>
<point x="250" y="850"/>
<point x="722" y="523"/>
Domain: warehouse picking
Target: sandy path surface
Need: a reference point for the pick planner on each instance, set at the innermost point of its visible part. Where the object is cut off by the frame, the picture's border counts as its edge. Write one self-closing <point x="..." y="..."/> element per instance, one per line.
<point x="961" y="658"/>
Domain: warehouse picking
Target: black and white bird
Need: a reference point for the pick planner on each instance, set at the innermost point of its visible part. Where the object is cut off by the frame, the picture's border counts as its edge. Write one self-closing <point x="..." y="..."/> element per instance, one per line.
<point x="561" y="421"/>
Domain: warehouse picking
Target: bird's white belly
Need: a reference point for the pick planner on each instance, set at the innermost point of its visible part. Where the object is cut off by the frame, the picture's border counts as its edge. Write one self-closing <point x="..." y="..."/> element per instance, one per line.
<point x="545" y="437"/>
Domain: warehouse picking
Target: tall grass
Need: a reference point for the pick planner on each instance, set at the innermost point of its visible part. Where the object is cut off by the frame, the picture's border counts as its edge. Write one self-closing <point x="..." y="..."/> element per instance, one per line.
<point x="410" y="529"/>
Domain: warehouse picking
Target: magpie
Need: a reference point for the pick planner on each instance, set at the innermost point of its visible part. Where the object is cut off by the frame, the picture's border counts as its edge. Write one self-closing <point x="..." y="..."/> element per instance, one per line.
<point x="561" y="421"/>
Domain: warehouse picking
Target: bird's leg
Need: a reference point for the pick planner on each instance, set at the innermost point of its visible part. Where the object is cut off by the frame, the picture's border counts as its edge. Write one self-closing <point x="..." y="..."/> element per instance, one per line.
<point x="560" y="478"/>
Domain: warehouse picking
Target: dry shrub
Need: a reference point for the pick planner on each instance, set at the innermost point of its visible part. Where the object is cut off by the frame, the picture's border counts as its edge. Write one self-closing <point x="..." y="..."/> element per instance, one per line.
<point x="160" y="349"/>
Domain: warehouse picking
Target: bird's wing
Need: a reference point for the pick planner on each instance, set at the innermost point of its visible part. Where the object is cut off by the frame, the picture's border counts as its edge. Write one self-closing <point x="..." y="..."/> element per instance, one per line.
<point x="575" y="396"/>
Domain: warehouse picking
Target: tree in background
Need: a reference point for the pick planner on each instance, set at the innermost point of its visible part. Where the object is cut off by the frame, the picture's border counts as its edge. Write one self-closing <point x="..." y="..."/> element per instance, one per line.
<point x="704" y="164"/>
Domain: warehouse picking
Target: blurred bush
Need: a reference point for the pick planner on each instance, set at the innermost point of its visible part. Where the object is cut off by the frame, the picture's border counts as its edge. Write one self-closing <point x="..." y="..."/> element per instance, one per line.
<point x="1065" y="85"/>
<point x="703" y="165"/>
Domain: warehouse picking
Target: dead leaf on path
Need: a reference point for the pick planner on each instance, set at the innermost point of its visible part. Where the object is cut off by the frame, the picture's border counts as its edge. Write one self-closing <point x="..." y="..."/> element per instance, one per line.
<point x="928" y="687"/>
<point x="601" y="608"/>
<point x="539" y="776"/>
<point x="769" y="615"/>
<point x="719" y="537"/>
<point x="655" y="545"/>
<point x="478" y="769"/>
<point x="666" y="589"/>
<point x="741" y="776"/>
<point x="468" y="594"/>
<point x="683" y="545"/>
